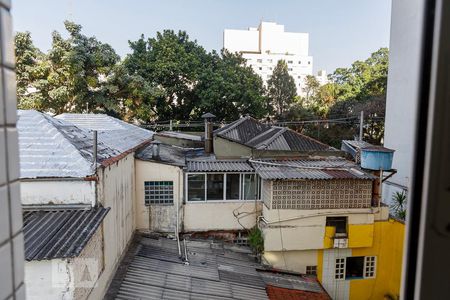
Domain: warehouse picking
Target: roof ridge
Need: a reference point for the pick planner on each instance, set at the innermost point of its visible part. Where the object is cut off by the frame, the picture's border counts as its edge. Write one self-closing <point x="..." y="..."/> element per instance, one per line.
<point x="231" y="126"/>
<point x="270" y="140"/>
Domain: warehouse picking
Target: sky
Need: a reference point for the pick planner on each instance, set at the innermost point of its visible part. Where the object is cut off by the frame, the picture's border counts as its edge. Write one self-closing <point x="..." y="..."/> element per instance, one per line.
<point x="340" y="31"/>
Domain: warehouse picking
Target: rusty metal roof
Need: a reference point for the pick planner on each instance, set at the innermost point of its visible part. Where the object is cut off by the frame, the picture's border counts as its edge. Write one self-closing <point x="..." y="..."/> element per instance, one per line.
<point x="313" y="169"/>
<point x="62" y="233"/>
<point x="219" y="166"/>
<point x="257" y="135"/>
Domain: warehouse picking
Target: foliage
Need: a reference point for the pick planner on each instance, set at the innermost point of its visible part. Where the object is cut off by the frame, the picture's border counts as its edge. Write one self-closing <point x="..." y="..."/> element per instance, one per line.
<point x="281" y="89"/>
<point x="399" y="205"/>
<point x="256" y="240"/>
<point x="70" y="77"/>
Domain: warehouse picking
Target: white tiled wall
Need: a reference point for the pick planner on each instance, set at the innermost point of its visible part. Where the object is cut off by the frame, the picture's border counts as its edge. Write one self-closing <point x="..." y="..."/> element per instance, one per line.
<point x="337" y="289"/>
<point x="11" y="237"/>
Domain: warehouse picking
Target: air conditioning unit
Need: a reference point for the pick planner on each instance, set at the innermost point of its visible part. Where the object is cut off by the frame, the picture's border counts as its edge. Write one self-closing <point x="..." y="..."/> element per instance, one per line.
<point x="340" y="243"/>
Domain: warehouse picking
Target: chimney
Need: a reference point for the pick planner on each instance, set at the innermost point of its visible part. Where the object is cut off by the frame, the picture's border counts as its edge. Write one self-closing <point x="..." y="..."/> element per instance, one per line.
<point x="155" y="149"/>
<point x="94" y="148"/>
<point x="208" y="132"/>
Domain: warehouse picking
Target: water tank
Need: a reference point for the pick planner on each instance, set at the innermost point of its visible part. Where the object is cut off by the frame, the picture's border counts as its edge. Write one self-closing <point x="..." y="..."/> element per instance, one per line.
<point x="376" y="158"/>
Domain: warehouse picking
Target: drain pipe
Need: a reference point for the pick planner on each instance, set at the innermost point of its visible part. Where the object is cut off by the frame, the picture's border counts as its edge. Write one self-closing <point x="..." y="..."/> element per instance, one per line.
<point x="177" y="229"/>
<point x="186" y="259"/>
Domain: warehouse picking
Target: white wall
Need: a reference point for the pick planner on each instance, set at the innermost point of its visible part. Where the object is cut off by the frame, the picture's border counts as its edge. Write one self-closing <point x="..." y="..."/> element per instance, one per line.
<point x="295" y="261"/>
<point x="116" y="190"/>
<point x="156" y="217"/>
<point x="403" y="84"/>
<point x="57" y="192"/>
<point x="241" y="40"/>
<point x="48" y="279"/>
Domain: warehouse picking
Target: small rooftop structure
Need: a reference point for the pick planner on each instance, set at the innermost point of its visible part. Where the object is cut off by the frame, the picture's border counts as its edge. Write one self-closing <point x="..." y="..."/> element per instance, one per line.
<point x="370" y="156"/>
<point x="254" y="134"/>
<point x="59" y="233"/>
<point x="168" y="154"/>
<point x="215" y="270"/>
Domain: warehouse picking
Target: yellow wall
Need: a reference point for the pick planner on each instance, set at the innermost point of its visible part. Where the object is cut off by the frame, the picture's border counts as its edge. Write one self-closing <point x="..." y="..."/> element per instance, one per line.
<point x="360" y="235"/>
<point x="388" y="247"/>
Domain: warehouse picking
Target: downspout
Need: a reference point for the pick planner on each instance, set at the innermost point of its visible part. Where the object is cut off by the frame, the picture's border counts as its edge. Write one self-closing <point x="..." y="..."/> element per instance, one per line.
<point x="177" y="229"/>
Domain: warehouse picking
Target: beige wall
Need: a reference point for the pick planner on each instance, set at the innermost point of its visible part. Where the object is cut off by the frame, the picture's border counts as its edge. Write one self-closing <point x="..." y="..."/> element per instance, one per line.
<point x="161" y="218"/>
<point x="116" y="190"/>
<point x="224" y="148"/>
<point x="304" y="229"/>
<point x="291" y="260"/>
<point x="204" y="216"/>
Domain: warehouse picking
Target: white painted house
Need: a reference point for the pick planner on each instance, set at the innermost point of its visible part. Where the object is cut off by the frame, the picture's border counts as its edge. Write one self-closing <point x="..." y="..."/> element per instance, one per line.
<point x="265" y="45"/>
<point x="78" y="207"/>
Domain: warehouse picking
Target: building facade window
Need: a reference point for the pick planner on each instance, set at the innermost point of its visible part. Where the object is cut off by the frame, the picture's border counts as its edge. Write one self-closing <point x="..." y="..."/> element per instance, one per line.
<point x="355" y="267"/>
<point x="311" y="270"/>
<point x="289" y="69"/>
<point x="299" y="62"/>
<point x="290" y="61"/>
<point x="340" y="225"/>
<point x="260" y="68"/>
<point x="339" y="273"/>
<point x="223" y="187"/>
<point x="214" y="186"/>
<point x="196" y="187"/>
<point x="259" y="60"/>
<point x="158" y="192"/>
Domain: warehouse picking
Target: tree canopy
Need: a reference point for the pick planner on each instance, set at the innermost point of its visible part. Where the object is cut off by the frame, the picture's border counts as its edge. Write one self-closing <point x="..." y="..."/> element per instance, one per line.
<point x="281" y="89"/>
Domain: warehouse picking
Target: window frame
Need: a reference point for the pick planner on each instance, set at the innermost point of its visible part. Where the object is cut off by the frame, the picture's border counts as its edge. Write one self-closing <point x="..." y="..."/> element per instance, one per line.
<point x="224" y="200"/>
<point x="340" y="273"/>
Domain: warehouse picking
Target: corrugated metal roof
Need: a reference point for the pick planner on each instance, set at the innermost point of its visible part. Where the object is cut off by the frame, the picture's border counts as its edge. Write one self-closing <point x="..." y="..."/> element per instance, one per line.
<point x="180" y="135"/>
<point x="59" y="233"/>
<point x="115" y="133"/>
<point x="54" y="148"/>
<point x="257" y="135"/>
<point x="314" y="169"/>
<point x="219" y="166"/>
<point x="215" y="271"/>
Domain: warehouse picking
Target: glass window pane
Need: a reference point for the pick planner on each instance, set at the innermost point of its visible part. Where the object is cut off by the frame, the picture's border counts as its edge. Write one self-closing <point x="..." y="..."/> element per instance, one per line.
<point x="196" y="187"/>
<point x="250" y="191"/>
<point x="233" y="186"/>
<point x="214" y="187"/>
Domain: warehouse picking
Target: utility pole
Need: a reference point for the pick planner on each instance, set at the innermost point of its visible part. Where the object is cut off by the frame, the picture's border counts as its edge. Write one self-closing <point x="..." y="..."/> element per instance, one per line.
<point x="361" y="124"/>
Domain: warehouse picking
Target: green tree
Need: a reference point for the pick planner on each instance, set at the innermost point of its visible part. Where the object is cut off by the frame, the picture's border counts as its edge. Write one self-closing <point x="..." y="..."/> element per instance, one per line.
<point x="71" y="77"/>
<point x="28" y="59"/>
<point x="311" y="87"/>
<point x="229" y="89"/>
<point x="281" y="89"/>
<point x="174" y="63"/>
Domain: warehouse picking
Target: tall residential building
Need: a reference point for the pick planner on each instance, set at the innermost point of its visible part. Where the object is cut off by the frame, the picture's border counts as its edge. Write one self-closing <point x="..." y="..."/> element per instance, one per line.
<point x="265" y="45"/>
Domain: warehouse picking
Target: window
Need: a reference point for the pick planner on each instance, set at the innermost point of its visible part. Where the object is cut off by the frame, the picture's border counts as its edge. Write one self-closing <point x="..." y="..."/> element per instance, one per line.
<point x="340" y="224"/>
<point x="233" y="186"/>
<point x="311" y="270"/>
<point x="299" y="62"/>
<point x="309" y="62"/>
<point x="339" y="269"/>
<point x="222" y="187"/>
<point x="369" y="266"/>
<point x="260" y="68"/>
<point x="289" y="61"/>
<point x="214" y="189"/>
<point x="158" y="192"/>
<point x="196" y="187"/>
<point x="269" y="60"/>
<point x="355" y="267"/>
<point x="289" y="69"/>
<point x="299" y="77"/>
<point x="259" y="60"/>
<point x="249" y="187"/>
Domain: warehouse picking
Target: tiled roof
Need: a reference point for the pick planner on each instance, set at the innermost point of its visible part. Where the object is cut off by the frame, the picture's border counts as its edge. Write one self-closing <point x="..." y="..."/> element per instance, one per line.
<point x="115" y="133"/>
<point x="216" y="270"/>
<point x="254" y="134"/>
<point x="314" y="169"/>
<point x="50" y="234"/>
<point x="219" y="166"/>
<point x="49" y="147"/>
<point x="277" y="293"/>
